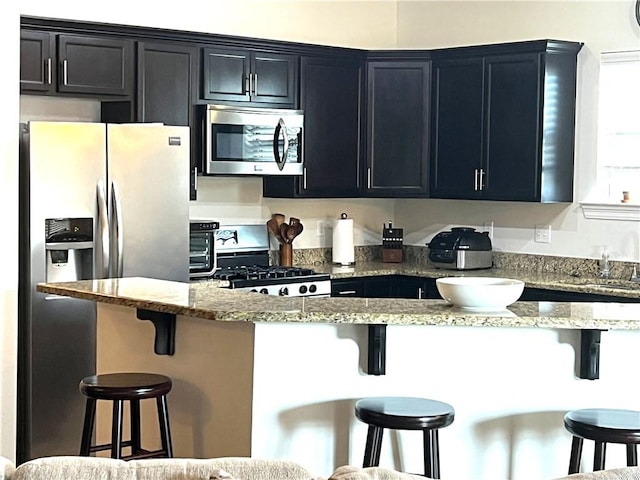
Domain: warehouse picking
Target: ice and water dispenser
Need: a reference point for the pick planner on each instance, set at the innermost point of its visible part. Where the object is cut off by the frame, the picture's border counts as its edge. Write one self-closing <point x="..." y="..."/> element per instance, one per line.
<point x="69" y="249"/>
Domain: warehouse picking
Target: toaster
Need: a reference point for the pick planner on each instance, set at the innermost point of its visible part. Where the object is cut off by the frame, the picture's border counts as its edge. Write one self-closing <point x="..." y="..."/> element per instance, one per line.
<point x="461" y="248"/>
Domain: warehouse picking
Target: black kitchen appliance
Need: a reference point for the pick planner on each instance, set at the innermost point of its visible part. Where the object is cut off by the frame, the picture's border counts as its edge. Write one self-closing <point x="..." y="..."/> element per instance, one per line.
<point x="243" y="260"/>
<point x="461" y="248"/>
<point x="202" y="252"/>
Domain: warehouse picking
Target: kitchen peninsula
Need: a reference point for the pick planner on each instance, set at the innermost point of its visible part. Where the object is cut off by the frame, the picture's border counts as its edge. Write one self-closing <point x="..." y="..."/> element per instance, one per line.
<point x="268" y="376"/>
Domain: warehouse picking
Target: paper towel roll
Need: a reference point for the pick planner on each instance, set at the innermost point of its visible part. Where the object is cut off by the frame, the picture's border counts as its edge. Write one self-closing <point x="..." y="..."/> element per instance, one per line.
<point x="343" y="251"/>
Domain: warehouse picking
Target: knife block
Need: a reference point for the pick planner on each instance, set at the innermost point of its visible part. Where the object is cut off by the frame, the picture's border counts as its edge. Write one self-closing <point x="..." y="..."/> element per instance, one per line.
<point x="392" y="239"/>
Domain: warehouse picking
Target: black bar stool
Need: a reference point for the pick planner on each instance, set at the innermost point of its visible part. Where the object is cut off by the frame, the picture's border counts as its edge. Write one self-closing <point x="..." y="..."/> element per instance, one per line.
<point x="118" y="388"/>
<point x="404" y="413"/>
<point x="602" y="425"/>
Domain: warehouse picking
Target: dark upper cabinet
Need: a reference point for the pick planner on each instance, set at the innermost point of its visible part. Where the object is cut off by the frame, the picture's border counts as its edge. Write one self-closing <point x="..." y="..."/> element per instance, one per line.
<point x="236" y="75"/>
<point x="330" y="96"/>
<point x="500" y="119"/>
<point x="397" y="128"/>
<point x="167" y="90"/>
<point x="75" y="64"/>
<point x="37" y="61"/>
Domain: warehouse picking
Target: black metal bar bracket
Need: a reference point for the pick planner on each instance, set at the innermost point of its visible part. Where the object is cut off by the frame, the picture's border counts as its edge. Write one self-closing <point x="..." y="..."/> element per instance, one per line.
<point x="377" y="350"/>
<point x="589" y="354"/>
<point x="165" y="325"/>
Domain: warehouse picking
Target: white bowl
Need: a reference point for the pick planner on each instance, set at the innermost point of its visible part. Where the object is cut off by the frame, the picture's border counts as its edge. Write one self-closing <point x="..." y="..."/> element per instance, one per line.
<point x="480" y="293"/>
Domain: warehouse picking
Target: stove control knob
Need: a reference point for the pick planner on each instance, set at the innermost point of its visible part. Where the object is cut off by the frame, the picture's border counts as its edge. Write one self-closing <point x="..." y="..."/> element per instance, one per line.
<point x="312" y="288"/>
<point x="264" y="291"/>
<point x="284" y="291"/>
<point x="303" y="289"/>
<point x="253" y="290"/>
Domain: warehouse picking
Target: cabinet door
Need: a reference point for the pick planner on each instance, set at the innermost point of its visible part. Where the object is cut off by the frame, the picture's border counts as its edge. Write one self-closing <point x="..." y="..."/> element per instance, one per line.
<point x="244" y="76"/>
<point x="347" y="287"/>
<point x="167" y="80"/>
<point x="226" y="74"/>
<point x="98" y="66"/>
<point x="274" y="78"/>
<point x="330" y="95"/>
<point x="457" y="126"/>
<point x="397" y="128"/>
<point x="415" y="287"/>
<point x="37" y="61"/>
<point x="513" y="128"/>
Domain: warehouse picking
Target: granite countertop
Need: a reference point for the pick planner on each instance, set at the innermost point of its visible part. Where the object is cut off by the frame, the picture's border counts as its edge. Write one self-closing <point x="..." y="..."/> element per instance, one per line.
<point x="207" y="300"/>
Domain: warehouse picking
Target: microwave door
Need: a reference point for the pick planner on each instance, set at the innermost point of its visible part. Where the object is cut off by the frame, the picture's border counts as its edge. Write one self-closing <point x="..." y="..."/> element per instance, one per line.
<point x="281" y="130"/>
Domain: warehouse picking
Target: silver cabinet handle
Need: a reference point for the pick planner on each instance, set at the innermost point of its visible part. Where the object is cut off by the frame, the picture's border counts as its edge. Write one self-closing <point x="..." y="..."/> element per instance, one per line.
<point x="304" y="178"/>
<point x="255" y="84"/>
<point x="118" y="231"/>
<point x="347" y="292"/>
<point x="49" y="73"/>
<point x="475" y="180"/>
<point x="195" y="177"/>
<point x="247" y="85"/>
<point x="103" y="221"/>
<point x="481" y="182"/>
<point x="64" y="72"/>
<point x="369" y="177"/>
<point x="419" y="293"/>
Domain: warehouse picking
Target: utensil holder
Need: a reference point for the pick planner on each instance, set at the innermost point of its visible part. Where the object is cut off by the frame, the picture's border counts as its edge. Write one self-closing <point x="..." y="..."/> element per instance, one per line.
<point x="286" y="255"/>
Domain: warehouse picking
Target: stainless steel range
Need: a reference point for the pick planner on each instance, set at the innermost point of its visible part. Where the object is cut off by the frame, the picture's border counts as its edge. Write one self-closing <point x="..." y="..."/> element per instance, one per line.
<point x="243" y="260"/>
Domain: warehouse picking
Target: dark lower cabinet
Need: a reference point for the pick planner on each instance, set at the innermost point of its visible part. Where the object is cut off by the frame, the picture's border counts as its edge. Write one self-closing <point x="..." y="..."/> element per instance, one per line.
<point x="397" y="128"/>
<point x="531" y="294"/>
<point x="330" y="96"/>
<point x="387" y="286"/>
<point x="347" y="287"/>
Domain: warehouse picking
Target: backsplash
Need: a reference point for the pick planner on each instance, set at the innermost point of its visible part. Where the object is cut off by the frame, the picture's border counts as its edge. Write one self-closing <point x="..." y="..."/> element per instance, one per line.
<point x="579" y="267"/>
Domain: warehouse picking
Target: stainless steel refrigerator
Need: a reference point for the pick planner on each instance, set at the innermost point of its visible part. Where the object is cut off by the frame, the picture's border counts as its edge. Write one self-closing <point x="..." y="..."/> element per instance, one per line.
<point x="96" y="201"/>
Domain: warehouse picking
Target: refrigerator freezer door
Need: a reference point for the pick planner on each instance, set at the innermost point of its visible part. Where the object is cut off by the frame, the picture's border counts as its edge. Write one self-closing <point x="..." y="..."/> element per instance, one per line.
<point x="149" y="164"/>
<point x="61" y="164"/>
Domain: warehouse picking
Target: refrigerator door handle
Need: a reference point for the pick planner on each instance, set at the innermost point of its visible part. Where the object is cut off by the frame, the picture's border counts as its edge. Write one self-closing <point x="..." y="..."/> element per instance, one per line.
<point x="103" y="222"/>
<point x="118" y="230"/>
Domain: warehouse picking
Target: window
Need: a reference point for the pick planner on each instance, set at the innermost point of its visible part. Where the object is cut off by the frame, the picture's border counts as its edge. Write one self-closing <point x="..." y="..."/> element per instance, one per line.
<point x="619" y="128"/>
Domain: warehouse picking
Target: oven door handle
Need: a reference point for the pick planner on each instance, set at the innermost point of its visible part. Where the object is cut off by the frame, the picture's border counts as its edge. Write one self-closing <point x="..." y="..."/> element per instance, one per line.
<point x="280" y="128"/>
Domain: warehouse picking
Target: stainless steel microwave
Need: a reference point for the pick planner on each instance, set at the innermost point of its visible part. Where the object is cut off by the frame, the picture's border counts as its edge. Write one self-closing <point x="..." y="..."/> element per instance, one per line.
<point x="252" y="141"/>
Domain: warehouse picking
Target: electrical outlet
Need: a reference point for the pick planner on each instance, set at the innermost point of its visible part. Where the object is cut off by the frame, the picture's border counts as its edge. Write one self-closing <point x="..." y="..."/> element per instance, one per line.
<point x="542" y="234"/>
<point x="320" y="228"/>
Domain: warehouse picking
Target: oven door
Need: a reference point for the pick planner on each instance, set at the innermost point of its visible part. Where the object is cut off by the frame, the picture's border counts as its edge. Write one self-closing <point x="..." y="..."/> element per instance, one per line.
<point x="250" y="141"/>
<point x="202" y="251"/>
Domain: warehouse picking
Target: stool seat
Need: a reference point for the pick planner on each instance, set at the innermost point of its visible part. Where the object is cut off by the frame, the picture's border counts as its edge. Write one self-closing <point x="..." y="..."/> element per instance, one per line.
<point x="602" y="425"/>
<point x="125" y="386"/>
<point x="118" y="388"/>
<point x="404" y="413"/>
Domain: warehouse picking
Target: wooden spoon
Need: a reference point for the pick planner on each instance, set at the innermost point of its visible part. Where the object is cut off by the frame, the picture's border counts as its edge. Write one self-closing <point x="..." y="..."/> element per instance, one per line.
<point x="279" y="218"/>
<point x="274" y="229"/>
<point x="283" y="232"/>
<point x="292" y="232"/>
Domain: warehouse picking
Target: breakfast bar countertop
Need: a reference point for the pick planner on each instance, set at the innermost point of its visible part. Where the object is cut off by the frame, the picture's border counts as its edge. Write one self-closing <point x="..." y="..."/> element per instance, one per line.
<point x="207" y="300"/>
